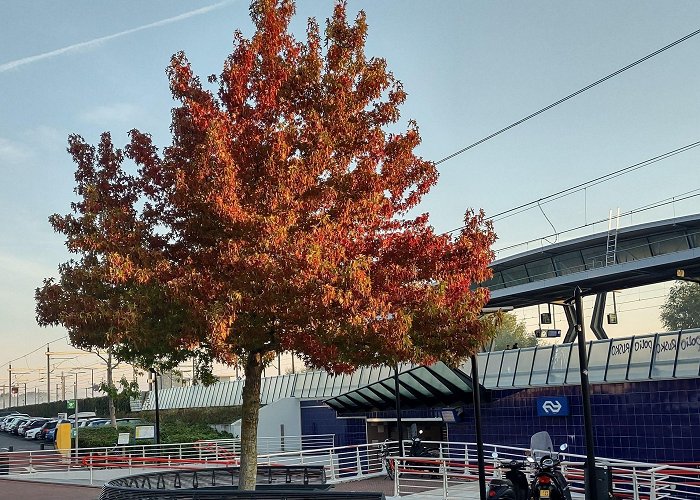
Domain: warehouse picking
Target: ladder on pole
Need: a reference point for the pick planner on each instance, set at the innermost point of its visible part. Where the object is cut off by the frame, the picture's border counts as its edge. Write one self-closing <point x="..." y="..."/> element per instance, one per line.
<point x="611" y="247"/>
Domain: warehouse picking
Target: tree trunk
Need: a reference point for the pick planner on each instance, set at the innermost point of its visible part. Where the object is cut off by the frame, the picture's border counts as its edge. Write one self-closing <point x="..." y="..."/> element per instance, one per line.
<point x="249" y="422"/>
<point x="110" y="384"/>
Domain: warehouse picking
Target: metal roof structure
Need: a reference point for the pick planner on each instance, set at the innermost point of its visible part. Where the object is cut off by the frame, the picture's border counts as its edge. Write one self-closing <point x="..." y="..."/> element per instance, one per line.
<point x="659" y="356"/>
<point x="643" y="254"/>
<point x="419" y="387"/>
<point x="647" y="357"/>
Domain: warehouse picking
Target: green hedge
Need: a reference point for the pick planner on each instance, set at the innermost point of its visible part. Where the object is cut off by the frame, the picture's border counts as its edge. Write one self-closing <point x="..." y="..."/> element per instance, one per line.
<point x="98" y="405"/>
<point x="170" y="432"/>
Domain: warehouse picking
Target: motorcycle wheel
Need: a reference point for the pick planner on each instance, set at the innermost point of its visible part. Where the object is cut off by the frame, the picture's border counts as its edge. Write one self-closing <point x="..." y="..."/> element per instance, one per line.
<point x="389" y="465"/>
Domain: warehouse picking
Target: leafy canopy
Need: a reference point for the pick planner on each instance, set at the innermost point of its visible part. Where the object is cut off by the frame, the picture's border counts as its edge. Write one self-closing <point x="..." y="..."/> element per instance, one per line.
<point x="682" y="307"/>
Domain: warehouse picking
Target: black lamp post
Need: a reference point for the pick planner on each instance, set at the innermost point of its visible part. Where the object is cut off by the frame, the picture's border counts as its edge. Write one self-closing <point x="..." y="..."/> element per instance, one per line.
<point x="591" y="492"/>
<point x="155" y="393"/>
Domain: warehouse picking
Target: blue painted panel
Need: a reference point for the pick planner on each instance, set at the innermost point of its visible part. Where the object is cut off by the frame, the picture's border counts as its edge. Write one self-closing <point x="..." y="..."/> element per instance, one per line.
<point x="553" y="406"/>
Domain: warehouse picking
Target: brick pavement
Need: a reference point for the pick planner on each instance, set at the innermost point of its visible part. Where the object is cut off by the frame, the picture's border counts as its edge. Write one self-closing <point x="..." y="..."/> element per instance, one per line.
<point x="31" y="490"/>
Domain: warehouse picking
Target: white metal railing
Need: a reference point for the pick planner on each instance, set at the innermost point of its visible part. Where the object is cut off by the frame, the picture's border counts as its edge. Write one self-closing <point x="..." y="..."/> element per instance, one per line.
<point x="101" y="464"/>
<point x="452" y="474"/>
<point x="449" y="475"/>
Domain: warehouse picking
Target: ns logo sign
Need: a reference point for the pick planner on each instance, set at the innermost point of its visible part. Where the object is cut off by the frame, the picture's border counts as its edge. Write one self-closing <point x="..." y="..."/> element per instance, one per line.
<point x="553" y="406"/>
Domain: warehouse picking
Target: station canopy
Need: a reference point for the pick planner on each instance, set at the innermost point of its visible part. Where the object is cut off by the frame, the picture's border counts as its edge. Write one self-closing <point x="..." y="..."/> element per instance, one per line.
<point x="422" y="386"/>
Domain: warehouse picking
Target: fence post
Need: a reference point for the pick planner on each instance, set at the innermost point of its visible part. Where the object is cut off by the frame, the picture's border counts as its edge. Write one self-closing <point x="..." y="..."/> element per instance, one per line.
<point x="91" y="469"/>
<point x="443" y="470"/>
<point x="396" y="477"/>
<point x="330" y="457"/>
<point x="652" y="486"/>
<point x="359" y="462"/>
<point x="635" y="485"/>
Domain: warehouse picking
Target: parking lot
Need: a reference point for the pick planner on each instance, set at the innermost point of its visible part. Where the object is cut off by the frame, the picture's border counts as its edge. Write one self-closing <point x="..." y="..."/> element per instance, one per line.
<point x="19" y="443"/>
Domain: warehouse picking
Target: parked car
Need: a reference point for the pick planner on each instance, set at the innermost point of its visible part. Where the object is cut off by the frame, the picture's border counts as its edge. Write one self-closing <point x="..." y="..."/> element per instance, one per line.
<point x="98" y="422"/>
<point x="11" y="427"/>
<point x="51" y="424"/>
<point x="33" y="433"/>
<point x="33" y="423"/>
<point x="10" y="419"/>
<point x="51" y="433"/>
<point x="131" y="421"/>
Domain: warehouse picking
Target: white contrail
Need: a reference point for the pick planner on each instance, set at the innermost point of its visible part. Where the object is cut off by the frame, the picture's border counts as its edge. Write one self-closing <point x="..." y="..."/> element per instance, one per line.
<point x="97" y="41"/>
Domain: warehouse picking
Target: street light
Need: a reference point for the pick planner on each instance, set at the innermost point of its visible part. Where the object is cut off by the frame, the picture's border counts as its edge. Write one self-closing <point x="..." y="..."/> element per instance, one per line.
<point x="154" y="378"/>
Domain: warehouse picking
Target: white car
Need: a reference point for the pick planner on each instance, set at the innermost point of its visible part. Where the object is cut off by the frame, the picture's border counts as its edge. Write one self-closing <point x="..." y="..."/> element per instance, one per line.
<point x="32" y="433"/>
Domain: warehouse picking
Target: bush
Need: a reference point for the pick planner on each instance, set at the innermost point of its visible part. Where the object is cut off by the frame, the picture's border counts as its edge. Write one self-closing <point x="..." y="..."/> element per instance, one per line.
<point x="170" y="432"/>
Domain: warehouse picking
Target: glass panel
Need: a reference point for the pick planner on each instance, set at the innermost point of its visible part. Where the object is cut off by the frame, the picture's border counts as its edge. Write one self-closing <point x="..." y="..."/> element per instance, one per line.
<point x="560" y="360"/>
<point x="415" y="385"/>
<point x="369" y="396"/>
<point x="665" y="355"/>
<point x="425" y="376"/>
<point x="515" y="276"/>
<point x="573" y="375"/>
<point x="522" y="372"/>
<point x="619" y="356"/>
<point x="668" y="243"/>
<point x="365" y="372"/>
<point x="568" y="263"/>
<point x="492" y="369"/>
<point x="688" y="355"/>
<point x="594" y="257"/>
<point x="540" y="269"/>
<point x="632" y="249"/>
<point x="495" y="283"/>
<point x="383" y="390"/>
<point x="694" y="238"/>
<point x="641" y="358"/>
<point x="542" y="359"/>
<point x="510" y="358"/>
<point x="446" y="372"/>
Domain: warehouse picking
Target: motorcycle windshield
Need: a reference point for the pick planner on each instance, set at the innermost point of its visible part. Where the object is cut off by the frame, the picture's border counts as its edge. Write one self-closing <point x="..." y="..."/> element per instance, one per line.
<point x="541" y="445"/>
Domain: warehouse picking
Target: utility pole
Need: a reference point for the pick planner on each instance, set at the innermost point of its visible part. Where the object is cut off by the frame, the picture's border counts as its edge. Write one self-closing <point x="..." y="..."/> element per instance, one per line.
<point x="63" y="386"/>
<point x="590" y="472"/>
<point x="48" y="374"/>
<point x="25" y="394"/>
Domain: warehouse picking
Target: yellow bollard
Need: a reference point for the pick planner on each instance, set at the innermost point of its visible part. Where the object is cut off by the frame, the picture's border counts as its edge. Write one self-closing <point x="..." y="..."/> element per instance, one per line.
<point x="63" y="440"/>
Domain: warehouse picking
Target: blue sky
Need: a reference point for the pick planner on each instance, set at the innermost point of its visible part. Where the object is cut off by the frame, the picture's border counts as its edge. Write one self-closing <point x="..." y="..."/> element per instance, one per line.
<point x="469" y="68"/>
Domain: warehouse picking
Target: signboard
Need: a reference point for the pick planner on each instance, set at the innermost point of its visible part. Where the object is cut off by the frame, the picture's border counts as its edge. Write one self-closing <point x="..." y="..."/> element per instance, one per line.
<point x="71" y="404"/>
<point x="63" y="416"/>
<point x="145" y="432"/>
<point x="123" y="438"/>
<point x="448" y="415"/>
<point x="553" y="406"/>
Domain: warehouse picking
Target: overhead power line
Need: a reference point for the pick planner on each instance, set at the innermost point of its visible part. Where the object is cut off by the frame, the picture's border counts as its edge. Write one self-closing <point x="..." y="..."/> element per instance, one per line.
<point x="683" y="197"/>
<point x="584" y="185"/>
<point x="592" y="182"/>
<point x="574" y="94"/>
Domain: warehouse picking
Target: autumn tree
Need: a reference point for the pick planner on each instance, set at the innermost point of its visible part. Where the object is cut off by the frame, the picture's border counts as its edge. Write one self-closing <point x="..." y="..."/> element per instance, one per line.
<point x="508" y="332"/>
<point x="123" y="320"/>
<point x="682" y="307"/>
<point x="279" y="216"/>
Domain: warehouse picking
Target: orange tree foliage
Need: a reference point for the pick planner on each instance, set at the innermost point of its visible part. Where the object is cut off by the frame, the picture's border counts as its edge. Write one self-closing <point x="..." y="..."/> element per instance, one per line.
<point x="134" y="320"/>
<point x="279" y="217"/>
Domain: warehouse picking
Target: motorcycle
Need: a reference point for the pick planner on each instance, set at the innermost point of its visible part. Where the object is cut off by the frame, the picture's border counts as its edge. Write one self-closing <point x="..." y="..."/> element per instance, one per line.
<point x="549" y="482"/>
<point x="389" y="464"/>
<point x="417" y="450"/>
<point x="514" y="486"/>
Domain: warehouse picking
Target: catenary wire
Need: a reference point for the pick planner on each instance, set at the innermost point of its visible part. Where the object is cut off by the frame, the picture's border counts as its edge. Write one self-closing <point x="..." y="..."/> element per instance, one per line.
<point x="574" y="94"/>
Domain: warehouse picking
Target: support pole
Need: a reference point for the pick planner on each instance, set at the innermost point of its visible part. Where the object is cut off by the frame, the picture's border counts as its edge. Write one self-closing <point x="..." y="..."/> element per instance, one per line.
<point x="398" y="408"/>
<point x="155" y="393"/>
<point x="48" y="374"/>
<point x="591" y="493"/>
<point x="476" y="392"/>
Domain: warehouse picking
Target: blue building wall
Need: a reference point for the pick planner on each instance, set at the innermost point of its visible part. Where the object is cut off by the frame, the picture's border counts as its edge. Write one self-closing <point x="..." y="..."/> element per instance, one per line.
<point x="317" y="418"/>
<point x="654" y="421"/>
